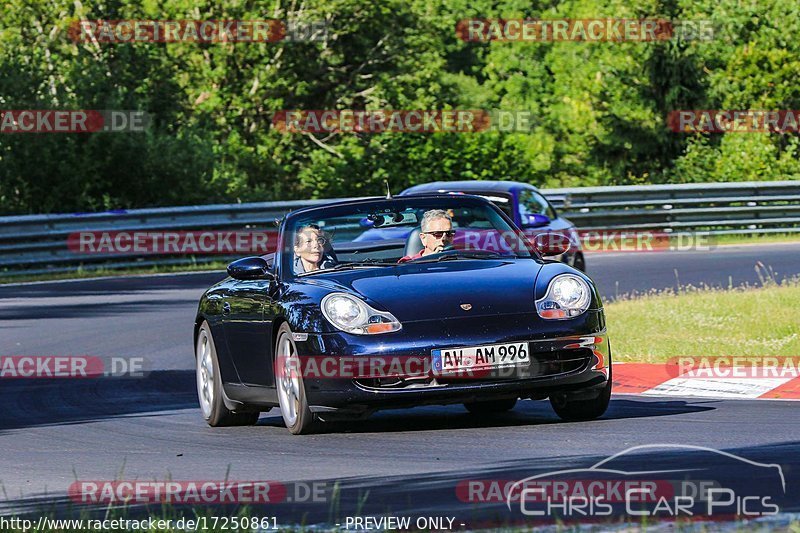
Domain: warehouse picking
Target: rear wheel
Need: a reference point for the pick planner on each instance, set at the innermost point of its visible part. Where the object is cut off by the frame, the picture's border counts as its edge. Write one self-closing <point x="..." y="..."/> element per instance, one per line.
<point x="289" y="381"/>
<point x="209" y="385"/>
<point x="581" y="409"/>
<point x="490" y="406"/>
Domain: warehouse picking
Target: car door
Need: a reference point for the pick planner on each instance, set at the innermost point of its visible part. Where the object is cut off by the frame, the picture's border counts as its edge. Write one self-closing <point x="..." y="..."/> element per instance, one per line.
<point x="249" y="311"/>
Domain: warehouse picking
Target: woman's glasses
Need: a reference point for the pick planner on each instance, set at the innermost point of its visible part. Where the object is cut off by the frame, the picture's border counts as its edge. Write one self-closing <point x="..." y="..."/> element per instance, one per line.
<point x="321" y="241"/>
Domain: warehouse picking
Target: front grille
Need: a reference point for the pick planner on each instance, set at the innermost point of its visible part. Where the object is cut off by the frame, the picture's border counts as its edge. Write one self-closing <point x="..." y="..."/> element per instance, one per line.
<point x="560" y="362"/>
<point x="543" y="365"/>
<point x="396" y="383"/>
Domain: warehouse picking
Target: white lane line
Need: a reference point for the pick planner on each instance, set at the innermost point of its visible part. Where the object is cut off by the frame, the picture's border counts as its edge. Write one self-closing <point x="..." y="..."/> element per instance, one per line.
<point x="747" y="388"/>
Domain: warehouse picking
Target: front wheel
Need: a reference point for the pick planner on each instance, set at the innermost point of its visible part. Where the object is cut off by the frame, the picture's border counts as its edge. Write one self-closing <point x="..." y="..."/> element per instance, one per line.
<point x="289" y="381"/>
<point x="209" y="385"/>
<point x="581" y="409"/>
<point x="490" y="406"/>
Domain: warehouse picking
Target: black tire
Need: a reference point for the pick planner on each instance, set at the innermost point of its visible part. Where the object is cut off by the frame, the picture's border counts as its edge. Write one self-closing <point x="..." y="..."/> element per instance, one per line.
<point x="490" y="406"/>
<point x="584" y="409"/>
<point x="209" y="391"/>
<point x="289" y="385"/>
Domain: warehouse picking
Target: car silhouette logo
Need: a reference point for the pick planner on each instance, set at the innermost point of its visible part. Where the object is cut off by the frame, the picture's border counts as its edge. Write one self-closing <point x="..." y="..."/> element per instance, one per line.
<point x="466" y="307"/>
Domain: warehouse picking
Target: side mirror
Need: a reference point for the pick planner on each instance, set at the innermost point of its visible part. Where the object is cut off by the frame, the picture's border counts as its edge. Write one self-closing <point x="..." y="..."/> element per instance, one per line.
<point x="535" y="221"/>
<point x="250" y="268"/>
<point x="551" y="244"/>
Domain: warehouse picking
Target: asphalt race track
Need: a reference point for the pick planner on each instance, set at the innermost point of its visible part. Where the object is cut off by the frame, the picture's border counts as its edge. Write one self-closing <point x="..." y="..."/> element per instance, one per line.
<point x="53" y="432"/>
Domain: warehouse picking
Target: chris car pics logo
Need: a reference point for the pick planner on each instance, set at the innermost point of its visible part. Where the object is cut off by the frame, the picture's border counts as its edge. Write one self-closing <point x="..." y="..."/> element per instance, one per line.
<point x="655" y="480"/>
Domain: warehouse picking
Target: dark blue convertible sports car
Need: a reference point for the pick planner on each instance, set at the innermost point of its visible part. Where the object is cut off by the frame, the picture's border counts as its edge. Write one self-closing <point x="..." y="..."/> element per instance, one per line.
<point x="462" y="309"/>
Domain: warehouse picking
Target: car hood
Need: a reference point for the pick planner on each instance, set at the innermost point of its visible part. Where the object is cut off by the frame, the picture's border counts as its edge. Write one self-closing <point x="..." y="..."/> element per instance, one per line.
<point x="432" y="291"/>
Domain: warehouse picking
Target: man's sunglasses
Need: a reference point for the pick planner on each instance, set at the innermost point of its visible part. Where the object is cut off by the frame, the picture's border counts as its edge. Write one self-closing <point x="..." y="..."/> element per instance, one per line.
<point x="439" y="234"/>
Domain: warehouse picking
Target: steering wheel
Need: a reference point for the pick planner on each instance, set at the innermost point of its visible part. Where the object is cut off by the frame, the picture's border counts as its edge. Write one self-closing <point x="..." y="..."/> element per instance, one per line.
<point x="446" y="250"/>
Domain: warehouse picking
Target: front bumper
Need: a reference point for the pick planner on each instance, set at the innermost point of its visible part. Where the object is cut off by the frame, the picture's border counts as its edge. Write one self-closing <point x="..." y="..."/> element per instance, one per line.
<point x="565" y="355"/>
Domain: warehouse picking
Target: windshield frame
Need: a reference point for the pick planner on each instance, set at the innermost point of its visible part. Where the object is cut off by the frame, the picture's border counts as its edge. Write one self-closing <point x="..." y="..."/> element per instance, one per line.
<point x="284" y="253"/>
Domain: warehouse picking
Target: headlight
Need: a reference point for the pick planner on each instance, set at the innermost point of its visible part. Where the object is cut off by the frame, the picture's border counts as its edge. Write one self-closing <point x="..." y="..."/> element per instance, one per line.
<point x="567" y="296"/>
<point x="350" y="314"/>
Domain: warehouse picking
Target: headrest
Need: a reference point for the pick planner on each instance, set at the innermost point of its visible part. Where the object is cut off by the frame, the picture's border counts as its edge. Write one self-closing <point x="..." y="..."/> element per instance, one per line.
<point x="413" y="243"/>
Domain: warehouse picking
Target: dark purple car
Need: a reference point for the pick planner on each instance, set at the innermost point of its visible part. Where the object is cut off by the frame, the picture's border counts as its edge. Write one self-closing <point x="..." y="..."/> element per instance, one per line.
<point x="522" y="202"/>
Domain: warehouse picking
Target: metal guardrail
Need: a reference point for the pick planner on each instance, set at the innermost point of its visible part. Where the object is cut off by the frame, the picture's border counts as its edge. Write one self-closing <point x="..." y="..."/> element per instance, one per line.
<point x="720" y="208"/>
<point x="38" y="243"/>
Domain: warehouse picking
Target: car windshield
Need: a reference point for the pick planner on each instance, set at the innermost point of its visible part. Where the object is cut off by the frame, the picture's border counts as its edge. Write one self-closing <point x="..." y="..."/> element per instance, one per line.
<point x="398" y="231"/>
<point x="501" y="200"/>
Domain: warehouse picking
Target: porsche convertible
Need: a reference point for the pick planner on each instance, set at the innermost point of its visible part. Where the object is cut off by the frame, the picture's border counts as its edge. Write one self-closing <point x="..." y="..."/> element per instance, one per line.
<point x="463" y="308"/>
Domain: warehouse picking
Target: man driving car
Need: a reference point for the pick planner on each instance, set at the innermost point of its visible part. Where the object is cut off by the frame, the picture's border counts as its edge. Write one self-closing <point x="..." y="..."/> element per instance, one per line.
<point x="436" y="234"/>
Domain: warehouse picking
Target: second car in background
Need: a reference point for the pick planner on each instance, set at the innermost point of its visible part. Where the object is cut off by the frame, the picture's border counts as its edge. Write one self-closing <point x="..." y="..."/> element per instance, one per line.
<point x="522" y="202"/>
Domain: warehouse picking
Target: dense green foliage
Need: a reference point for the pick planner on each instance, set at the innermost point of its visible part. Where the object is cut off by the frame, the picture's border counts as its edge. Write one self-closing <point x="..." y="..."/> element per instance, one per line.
<point x="600" y="107"/>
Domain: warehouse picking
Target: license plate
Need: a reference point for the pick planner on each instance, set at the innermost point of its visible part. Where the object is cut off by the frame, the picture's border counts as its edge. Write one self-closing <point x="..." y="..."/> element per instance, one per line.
<point x="480" y="357"/>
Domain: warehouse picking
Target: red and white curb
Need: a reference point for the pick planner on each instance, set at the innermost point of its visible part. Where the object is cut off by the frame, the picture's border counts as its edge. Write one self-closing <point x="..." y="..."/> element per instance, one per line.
<point x="653" y="379"/>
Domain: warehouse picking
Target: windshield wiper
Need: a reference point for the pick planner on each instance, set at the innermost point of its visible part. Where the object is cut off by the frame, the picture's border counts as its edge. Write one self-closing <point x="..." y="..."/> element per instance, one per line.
<point x="349" y="266"/>
<point x="463" y="254"/>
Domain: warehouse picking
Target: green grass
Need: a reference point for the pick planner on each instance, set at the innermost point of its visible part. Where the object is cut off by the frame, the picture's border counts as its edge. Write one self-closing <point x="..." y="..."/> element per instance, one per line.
<point x="723" y="240"/>
<point x="707" y="322"/>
